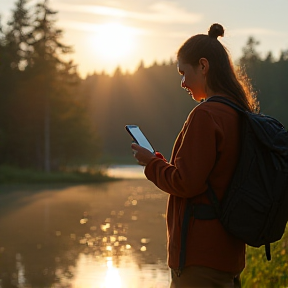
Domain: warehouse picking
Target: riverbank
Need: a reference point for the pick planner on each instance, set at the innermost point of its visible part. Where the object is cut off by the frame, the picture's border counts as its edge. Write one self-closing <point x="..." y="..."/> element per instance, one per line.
<point x="12" y="175"/>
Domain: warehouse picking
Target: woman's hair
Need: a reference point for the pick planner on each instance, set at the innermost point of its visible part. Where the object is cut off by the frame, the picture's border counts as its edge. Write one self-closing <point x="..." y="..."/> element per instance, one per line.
<point x="221" y="76"/>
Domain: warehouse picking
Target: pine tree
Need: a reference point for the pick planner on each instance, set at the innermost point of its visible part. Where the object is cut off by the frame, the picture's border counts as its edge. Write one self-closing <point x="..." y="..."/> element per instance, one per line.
<point x="17" y="36"/>
<point x="46" y="64"/>
<point x="48" y="126"/>
<point x="14" y="51"/>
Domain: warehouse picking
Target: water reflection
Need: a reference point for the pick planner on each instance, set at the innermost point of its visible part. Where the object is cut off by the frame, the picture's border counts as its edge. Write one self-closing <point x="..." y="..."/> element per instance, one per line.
<point x="126" y="276"/>
<point x="112" y="278"/>
<point x="126" y="171"/>
<point x="108" y="235"/>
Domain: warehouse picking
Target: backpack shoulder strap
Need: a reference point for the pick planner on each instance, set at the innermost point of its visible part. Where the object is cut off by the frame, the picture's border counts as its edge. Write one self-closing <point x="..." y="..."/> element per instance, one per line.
<point x="214" y="200"/>
<point x="226" y="101"/>
<point x="210" y="192"/>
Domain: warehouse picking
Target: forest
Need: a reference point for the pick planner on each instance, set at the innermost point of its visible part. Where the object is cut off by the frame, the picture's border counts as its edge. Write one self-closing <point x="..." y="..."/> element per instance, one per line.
<point x="51" y="118"/>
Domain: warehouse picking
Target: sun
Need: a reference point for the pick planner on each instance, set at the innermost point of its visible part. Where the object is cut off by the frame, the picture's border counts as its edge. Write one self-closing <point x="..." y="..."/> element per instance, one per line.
<point x="114" y="40"/>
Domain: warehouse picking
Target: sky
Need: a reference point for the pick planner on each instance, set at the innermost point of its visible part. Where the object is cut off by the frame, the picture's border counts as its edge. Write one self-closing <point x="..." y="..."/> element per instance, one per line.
<point x="106" y="34"/>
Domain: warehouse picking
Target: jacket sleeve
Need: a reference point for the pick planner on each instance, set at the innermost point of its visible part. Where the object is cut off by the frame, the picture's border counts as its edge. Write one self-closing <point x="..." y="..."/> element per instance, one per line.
<point x="192" y="162"/>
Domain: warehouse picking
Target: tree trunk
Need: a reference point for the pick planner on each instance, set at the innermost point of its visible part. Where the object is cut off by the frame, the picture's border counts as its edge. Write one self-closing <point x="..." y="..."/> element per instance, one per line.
<point x="47" y="137"/>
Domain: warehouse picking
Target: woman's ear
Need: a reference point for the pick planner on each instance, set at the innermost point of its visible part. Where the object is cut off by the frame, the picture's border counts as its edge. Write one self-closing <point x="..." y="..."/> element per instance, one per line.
<point x="204" y="65"/>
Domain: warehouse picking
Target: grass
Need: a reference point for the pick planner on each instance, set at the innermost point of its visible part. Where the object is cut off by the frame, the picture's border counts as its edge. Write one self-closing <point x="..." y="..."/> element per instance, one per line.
<point x="12" y="175"/>
<point x="260" y="273"/>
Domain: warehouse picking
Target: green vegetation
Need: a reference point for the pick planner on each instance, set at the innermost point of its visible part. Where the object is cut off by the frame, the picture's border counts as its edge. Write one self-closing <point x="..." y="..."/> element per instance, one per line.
<point x="12" y="175"/>
<point x="44" y="123"/>
<point x="153" y="99"/>
<point x="261" y="273"/>
<point x="51" y="118"/>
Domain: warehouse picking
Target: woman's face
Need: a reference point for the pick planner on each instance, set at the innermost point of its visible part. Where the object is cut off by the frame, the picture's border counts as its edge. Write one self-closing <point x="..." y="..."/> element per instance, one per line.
<point x="193" y="80"/>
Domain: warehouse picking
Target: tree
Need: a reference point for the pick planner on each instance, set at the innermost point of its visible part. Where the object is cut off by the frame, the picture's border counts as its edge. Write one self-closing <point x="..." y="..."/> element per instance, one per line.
<point x="268" y="79"/>
<point x="66" y="129"/>
<point x="14" y="50"/>
<point x="17" y="37"/>
<point x="250" y="55"/>
<point x="48" y="127"/>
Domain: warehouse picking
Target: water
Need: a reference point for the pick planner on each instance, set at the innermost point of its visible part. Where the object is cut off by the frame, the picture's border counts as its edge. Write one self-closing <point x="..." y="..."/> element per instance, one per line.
<point x="126" y="171"/>
<point x="106" y="235"/>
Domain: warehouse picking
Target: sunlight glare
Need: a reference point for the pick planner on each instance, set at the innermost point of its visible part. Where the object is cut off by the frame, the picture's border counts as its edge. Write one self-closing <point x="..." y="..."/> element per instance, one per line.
<point x="112" y="279"/>
<point x="114" y="40"/>
<point x="126" y="171"/>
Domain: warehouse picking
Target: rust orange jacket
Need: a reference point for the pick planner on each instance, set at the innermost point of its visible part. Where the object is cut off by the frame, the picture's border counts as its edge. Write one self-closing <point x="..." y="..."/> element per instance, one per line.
<point x="206" y="149"/>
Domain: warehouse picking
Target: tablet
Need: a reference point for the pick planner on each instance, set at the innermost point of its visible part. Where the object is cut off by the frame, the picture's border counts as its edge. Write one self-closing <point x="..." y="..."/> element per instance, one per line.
<point x="139" y="137"/>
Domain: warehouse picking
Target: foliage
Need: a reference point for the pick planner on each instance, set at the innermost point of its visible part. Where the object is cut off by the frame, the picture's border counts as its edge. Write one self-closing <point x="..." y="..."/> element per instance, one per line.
<point x="9" y="175"/>
<point x="261" y="273"/>
<point x="43" y="121"/>
<point x="153" y="99"/>
<point x="268" y="77"/>
<point x="51" y="117"/>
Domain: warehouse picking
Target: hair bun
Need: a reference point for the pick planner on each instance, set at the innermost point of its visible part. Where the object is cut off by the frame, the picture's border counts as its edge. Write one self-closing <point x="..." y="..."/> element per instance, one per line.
<point x="216" y="30"/>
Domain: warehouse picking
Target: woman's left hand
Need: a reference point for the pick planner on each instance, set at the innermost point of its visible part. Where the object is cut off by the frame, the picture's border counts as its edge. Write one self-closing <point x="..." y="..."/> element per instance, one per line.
<point x="143" y="155"/>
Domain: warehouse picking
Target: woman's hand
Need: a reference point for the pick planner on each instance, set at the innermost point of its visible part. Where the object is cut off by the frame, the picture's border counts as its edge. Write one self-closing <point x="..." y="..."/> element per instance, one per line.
<point x="143" y="155"/>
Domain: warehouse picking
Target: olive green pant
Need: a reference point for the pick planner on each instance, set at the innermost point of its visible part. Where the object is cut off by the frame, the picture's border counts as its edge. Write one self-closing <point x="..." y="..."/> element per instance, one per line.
<point x="203" y="277"/>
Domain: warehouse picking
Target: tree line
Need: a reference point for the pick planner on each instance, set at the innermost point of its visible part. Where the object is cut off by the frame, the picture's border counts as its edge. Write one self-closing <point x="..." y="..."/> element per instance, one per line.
<point x="51" y="118"/>
<point x="43" y="122"/>
<point x="153" y="99"/>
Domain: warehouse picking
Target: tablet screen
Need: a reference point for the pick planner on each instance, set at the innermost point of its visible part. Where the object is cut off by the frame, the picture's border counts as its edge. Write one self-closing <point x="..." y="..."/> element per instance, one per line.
<point x="139" y="137"/>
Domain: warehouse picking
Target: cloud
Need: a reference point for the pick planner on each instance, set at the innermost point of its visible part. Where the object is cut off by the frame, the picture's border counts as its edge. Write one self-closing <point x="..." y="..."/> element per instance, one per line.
<point x="90" y="9"/>
<point x="164" y="12"/>
<point x="159" y="12"/>
<point x="91" y="27"/>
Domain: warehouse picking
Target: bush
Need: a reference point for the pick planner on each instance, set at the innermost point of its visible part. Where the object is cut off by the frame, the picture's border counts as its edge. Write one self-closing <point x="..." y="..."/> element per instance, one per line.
<point x="9" y="174"/>
<point x="260" y="273"/>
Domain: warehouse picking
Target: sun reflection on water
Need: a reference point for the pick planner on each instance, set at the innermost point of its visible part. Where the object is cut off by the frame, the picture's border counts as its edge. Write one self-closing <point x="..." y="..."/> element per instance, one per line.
<point x="92" y="273"/>
<point x="112" y="278"/>
<point x="114" y="237"/>
<point x="118" y="255"/>
<point x="126" y="171"/>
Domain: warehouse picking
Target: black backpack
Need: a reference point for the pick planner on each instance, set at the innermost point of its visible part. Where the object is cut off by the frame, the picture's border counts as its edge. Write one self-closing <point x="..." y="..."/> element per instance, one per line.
<point x="255" y="206"/>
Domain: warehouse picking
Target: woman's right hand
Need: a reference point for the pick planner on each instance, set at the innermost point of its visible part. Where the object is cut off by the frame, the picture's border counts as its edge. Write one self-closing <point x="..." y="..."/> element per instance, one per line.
<point x="143" y="155"/>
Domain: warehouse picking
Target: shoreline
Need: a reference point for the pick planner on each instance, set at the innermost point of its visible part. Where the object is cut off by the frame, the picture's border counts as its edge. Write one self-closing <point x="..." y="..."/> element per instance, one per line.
<point x="13" y="175"/>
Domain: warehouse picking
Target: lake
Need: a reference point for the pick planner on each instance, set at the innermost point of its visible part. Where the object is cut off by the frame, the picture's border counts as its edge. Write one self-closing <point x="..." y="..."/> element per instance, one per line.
<point x="108" y="235"/>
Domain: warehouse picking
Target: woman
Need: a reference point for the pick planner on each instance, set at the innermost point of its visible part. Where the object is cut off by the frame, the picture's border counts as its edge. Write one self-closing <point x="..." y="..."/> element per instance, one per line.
<point x="205" y="151"/>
